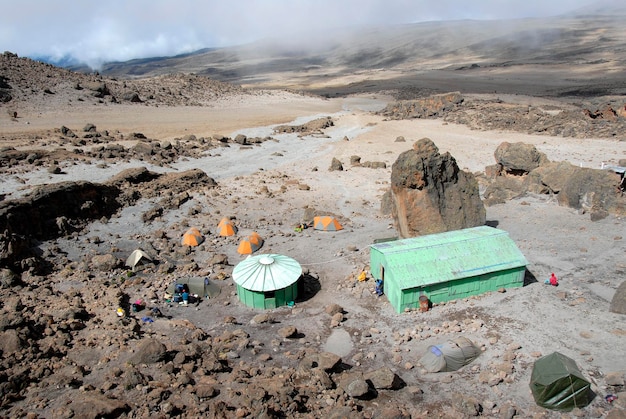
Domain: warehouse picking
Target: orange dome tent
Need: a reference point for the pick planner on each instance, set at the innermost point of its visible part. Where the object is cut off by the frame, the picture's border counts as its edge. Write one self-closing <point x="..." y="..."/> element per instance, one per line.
<point x="226" y="228"/>
<point x="250" y="244"/>
<point x="326" y="223"/>
<point x="255" y="239"/>
<point x="192" y="237"/>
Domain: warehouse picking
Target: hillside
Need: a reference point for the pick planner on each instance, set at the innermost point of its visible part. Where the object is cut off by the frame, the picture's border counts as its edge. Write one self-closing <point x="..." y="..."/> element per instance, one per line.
<point x="26" y="83"/>
<point x="581" y="54"/>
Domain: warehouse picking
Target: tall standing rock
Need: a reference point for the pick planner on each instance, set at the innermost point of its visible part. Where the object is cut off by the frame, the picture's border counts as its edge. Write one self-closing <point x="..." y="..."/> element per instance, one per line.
<point x="430" y="194"/>
<point x="618" y="303"/>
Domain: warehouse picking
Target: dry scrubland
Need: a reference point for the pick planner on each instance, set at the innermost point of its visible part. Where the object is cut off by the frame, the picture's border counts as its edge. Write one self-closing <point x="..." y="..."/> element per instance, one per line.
<point x="65" y="352"/>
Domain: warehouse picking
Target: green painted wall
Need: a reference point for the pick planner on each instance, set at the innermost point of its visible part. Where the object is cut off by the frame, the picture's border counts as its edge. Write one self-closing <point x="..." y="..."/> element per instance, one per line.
<point x="463" y="288"/>
<point x="267" y="300"/>
<point x="447" y="266"/>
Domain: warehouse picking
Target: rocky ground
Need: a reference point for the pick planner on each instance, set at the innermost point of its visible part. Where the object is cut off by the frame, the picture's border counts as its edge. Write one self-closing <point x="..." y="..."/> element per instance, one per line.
<point x="137" y="180"/>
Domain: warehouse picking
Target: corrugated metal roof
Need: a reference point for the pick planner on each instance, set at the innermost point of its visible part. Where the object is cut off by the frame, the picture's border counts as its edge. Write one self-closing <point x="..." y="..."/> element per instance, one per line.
<point x="267" y="272"/>
<point x="442" y="257"/>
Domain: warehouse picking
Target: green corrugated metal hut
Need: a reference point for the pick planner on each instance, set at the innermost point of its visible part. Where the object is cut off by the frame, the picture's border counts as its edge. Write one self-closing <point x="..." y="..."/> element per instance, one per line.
<point x="447" y="266"/>
<point x="267" y="281"/>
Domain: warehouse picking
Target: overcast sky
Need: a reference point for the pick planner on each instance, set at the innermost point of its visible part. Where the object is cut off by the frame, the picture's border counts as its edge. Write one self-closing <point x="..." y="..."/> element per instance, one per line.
<point x="96" y="31"/>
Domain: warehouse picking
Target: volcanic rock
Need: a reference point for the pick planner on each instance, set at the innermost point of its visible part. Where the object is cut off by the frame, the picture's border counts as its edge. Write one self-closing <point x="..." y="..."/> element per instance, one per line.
<point x="133" y="176"/>
<point x="5" y="96"/>
<point x="607" y="112"/>
<point x="105" y="263"/>
<point x="241" y="139"/>
<point x="358" y="389"/>
<point x="618" y="303"/>
<point x="430" y="194"/>
<point x="384" y="378"/>
<point x="505" y="188"/>
<point x="150" y="351"/>
<point x="8" y="278"/>
<point x="521" y="169"/>
<point x="429" y="107"/>
<point x="10" y="341"/>
<point x="519" y="158"/>
<point x="335" y="165"/>
<point x="314" y="126"/>
<point x="131" y="97"/>
<point x="328" y="361"/>
<point x="333" y="309"/>
<point x="582" y="188"/>
<point x="288" y="332"/>
<point x="36" y="215"/>
<point x="97" y="406"/>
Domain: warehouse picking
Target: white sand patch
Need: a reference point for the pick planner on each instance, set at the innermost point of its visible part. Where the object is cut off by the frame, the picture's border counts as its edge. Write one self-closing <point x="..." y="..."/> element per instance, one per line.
<point x="339" y="343"/>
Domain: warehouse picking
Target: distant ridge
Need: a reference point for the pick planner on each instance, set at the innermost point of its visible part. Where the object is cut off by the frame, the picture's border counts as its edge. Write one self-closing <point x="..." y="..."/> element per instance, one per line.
<point x="419" y="46"/>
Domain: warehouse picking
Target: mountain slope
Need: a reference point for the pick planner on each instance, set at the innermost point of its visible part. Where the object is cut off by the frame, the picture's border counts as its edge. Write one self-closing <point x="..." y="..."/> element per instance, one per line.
<point x="584" y="49"/>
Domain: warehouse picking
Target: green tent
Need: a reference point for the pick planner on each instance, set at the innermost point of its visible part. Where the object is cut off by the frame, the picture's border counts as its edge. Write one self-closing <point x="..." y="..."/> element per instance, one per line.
<point x="557" y="383"/>
<point x="202" y="287"/>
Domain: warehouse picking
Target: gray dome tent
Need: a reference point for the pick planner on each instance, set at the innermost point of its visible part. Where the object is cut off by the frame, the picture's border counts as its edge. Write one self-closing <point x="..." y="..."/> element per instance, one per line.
<point x="557" y="383"/>
<point x="450" y="356"/>
<point x="137" y="258"/>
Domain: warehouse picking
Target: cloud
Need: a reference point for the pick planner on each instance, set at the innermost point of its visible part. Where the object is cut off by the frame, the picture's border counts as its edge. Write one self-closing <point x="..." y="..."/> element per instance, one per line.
<point x="118" y="30"/>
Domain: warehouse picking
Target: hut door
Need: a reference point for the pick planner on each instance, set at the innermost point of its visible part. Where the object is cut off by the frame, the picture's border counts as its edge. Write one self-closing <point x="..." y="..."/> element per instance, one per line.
<point x="270" y="299"/>
<point x="382" y="272"/>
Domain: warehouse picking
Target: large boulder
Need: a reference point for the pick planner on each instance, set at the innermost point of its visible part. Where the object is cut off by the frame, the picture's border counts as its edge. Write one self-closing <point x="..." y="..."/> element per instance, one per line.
<point x="149" y="352"/>
<point x="385" y="379"/>
<point x="98" y="89"/>
<point x="550" y="178"/>
<point x="505" y="188"/>
<point x="595" y="191"/>
<point x="430" y="194"/>
<point x="36" y="214"/>
<point x="133" y="176"/>
<point x="10" y="341"/>
<point x="89" y="405"/>
<point x="520" y="169"/>
<point x="5" y="96"/>
<point x="104" y="263"/>
<point x="48" y="212"/>
<point x="519" y="158"/>
<point x="314" y="126"/>
<point x="430" y="107"/>
<point x="131" y="97"/>
<point x="8" y="278"/>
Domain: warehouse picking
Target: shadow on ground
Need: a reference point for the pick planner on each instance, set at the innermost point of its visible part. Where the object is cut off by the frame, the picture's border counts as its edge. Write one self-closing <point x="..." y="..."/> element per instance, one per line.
<point x="308" y="286"/>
